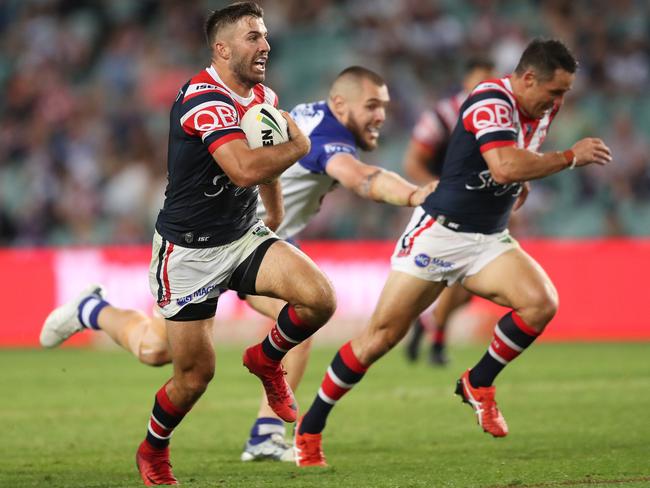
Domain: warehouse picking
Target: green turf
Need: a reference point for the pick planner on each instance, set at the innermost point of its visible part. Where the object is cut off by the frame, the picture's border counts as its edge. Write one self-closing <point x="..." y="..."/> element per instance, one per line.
<point x="578" y="416"/>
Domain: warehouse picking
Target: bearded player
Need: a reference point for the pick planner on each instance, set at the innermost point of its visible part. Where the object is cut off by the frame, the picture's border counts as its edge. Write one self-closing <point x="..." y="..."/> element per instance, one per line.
<point x="350" y="119"/>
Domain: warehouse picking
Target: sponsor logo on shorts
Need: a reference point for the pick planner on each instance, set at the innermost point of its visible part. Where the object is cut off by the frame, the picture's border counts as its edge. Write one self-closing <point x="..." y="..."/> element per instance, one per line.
<point x="201" y="292"/>
<point x="422" y="260"/>
<point x="441" y="263"/>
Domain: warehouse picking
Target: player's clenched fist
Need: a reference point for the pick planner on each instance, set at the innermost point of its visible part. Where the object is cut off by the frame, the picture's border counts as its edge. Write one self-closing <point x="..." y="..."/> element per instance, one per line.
<point x="591" y="150"/>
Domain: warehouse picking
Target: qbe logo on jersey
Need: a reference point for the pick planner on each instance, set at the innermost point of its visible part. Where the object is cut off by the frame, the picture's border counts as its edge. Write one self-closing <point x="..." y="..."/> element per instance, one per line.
<point x="492" y="115"/>
<point x="210" y="116"/>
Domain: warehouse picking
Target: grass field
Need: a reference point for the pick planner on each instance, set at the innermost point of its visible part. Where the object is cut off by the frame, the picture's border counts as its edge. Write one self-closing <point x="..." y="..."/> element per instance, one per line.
<point x="578" y="416"/>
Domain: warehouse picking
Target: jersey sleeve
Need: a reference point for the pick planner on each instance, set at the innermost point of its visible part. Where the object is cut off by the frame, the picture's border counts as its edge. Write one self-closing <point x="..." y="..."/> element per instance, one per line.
<point x="208" y="112"/>
<point x="489" y="115"/>
<point x="330" y="149"/>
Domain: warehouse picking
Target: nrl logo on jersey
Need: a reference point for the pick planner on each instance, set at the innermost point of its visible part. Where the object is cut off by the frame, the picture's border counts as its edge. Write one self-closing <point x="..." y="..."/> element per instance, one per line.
<point x="484" y="180"/>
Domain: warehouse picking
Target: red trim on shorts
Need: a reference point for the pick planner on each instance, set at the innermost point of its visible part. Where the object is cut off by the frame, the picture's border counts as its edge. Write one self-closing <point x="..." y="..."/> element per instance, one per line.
<point x="165" y="276"/>
<point x="350" y="360"/>
<point x="293" y="316"/>
<point x="222" y="140"/>
<point x="166" y="403"/>
<point x="418" y="232"/>
<point x="523" y="326"/>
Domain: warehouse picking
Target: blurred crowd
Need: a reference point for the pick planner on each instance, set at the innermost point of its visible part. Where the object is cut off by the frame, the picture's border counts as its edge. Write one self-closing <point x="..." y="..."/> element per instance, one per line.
<point x="87" y="87"/>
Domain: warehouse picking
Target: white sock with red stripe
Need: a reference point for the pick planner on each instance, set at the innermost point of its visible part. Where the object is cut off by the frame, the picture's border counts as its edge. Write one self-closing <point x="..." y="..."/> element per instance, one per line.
<point x="344" y="372"/>
<point x="511" y="336"/>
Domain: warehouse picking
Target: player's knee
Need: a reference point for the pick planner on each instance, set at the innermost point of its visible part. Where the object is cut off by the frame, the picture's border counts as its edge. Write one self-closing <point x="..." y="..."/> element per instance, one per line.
<point x="327" y="302"/>
<point x="154" y="357"/>
<point x="319" y="301"/>
<point x="543" y="306"/>
<point x="195" y="381"/>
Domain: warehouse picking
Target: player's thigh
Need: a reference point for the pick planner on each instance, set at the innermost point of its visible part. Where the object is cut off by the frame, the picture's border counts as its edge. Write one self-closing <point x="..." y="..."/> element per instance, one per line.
<point x="513" y="279"/>
<point x="289" y="274"/>
<point x="191" y="346"/>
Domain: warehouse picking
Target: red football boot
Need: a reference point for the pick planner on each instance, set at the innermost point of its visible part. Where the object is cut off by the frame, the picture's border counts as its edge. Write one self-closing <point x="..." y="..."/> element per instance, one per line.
<point x="308" y="447"/>
<point x="278" y="391"/>
<point x="154" y="466"/>
<point x="482" y="402"/>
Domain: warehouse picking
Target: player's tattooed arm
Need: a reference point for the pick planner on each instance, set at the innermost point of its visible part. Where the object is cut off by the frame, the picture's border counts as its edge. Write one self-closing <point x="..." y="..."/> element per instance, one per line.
<point x="366" y="184"/>
<point x="372" y="182"/>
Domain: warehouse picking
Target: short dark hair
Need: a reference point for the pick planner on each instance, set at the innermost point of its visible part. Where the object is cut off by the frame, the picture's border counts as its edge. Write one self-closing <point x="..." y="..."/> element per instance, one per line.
<point x="478" y="62"/>
<point x="359" y="72"/>
<point x="229" y="15"/>
<point x="545" y="56"/>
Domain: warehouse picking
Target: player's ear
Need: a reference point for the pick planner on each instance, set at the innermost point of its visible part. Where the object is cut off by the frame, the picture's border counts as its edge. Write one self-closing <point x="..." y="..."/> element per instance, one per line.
<point x="339" y="105"/>
<point x="529" y="77"/>
<point x="222" y="49"/>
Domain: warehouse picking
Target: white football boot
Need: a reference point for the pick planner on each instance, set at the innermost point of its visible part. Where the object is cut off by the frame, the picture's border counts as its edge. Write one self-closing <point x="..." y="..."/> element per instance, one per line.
<point x="275" y="448"/>
<point x="63" y="321"/>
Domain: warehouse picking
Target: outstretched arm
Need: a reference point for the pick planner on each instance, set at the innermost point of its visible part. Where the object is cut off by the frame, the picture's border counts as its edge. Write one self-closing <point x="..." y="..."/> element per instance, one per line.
<point x="510" y="164"/>
<point x="375" y="183"/>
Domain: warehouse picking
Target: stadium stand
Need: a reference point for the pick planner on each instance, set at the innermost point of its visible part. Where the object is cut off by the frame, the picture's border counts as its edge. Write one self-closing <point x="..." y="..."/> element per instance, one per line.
<point x="87" y="87"/>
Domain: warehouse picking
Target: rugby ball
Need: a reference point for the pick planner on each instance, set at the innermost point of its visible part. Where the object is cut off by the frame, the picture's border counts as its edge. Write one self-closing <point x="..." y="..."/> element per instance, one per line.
<point x="264" y="126"/>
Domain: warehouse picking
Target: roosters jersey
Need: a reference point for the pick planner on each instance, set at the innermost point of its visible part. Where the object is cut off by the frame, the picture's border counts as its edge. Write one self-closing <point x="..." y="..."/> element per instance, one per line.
<point x="467" y="195"/>
<point x="305" y="184"/>
<point x="203" y="208"/>
<point x="433" y="130"/>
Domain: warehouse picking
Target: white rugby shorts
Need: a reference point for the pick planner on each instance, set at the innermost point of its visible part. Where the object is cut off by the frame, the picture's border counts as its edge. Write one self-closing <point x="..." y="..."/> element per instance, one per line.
<point x="433" y="252"/>
<point x="180" y="275"/>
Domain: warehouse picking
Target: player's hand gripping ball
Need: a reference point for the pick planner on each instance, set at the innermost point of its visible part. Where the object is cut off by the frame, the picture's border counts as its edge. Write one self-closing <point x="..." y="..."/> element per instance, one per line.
<point x="264" y="126"/>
